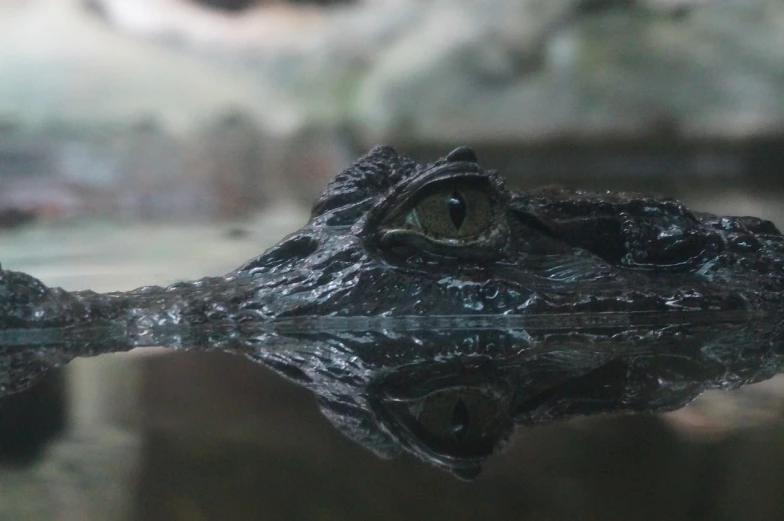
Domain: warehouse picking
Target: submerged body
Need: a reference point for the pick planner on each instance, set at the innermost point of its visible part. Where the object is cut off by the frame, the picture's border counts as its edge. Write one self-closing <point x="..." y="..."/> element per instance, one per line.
<point x="431" y="309"/>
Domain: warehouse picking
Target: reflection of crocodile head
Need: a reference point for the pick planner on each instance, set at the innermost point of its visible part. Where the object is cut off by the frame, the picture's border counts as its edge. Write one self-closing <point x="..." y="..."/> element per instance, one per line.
<point x="431" y="309"/>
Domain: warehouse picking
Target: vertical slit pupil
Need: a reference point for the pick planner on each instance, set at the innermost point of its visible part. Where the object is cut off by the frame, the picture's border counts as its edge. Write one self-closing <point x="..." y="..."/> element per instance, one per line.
<point x="460" y="420"/>
<point x="457" y="209"/>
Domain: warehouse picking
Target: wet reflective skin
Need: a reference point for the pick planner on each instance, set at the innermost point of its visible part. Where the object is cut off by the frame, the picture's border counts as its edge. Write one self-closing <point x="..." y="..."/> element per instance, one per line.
<point x="431" y="309"/>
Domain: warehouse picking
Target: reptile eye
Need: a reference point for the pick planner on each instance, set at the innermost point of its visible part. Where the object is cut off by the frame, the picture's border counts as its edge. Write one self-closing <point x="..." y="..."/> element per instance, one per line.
<point x="461" y="215"/>
<point x="452" y="211"/>
<point x="458" y="422"/>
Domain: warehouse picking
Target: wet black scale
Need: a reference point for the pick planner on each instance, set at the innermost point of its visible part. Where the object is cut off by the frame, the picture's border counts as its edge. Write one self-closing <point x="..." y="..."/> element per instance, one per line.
<point x="457" y="209"/>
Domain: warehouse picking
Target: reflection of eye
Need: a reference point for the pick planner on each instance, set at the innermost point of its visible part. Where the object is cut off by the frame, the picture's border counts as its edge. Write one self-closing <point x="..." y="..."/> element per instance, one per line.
<point x="453" y="211"/>
<point x="460" y="422"/>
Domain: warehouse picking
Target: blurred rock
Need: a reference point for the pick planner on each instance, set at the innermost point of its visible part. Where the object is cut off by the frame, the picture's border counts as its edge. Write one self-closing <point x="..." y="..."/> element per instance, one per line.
<point x="519" y="72"/>
<point x="511" y="70"/>
<point x="246" y="169"/>
<point x="176" y="109"/>
<point x="13" y="217"/>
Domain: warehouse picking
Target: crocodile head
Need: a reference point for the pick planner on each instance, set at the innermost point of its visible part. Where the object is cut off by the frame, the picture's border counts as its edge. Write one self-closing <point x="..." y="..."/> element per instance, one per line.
<point x="431" y="309"/>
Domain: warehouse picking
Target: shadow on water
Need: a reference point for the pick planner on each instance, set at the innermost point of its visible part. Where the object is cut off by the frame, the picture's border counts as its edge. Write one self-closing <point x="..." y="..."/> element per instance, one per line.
<point x="29" y="420"/>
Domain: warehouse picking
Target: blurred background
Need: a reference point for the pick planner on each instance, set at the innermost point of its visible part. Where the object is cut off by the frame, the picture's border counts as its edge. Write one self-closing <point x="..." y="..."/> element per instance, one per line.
<point x="149" y="141"/>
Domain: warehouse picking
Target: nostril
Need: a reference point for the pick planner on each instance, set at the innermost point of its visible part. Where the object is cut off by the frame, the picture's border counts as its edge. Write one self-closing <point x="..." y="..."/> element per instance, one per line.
<point x="293" y="249"/>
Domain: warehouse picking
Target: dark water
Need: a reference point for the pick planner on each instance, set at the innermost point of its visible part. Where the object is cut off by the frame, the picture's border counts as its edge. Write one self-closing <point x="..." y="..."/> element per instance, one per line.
<point x="272" y="456"/>
<point x="221" y="438"/>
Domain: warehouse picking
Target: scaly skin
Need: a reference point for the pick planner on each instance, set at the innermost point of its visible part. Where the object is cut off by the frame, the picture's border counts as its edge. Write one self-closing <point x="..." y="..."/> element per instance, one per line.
<point x="566" y="303"/>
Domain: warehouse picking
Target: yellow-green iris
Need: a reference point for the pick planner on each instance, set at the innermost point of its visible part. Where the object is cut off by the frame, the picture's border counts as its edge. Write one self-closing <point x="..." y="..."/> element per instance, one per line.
<point x="454" y="211"/>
